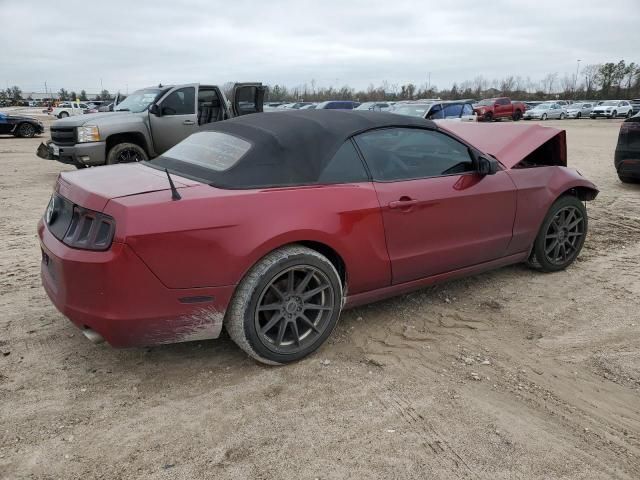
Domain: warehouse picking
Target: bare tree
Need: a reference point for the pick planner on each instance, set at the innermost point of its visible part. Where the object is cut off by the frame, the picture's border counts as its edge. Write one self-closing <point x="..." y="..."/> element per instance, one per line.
<point x="591" y="78"/>
<point x="548" y="82"/>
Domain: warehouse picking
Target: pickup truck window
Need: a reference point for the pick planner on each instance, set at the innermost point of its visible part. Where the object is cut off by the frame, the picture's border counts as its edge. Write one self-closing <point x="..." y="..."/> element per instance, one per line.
<point x="139" y="100"/>
<point x="180" y="102"/>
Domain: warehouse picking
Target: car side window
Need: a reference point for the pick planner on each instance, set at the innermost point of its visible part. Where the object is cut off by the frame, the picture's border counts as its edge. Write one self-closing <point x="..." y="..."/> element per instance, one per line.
<point x="411" y="153"/>
<point x="467" y="109"/>
<point x="180" y="102"/>
<point x="436" y="113"/>
<point x="453" y="111"/>
<point x="344" y="167"/>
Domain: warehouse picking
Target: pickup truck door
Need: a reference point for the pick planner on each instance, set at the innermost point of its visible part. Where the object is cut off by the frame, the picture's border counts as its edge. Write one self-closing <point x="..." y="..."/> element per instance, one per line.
<point x="247" y="98"/>
<point x="173" y="118"/>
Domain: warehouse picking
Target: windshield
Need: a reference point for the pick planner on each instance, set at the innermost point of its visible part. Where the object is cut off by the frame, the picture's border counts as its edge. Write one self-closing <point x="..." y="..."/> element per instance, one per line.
<point x="211" y="150"/>
<point x="488" y="101"/>
<point x="544" y="106"/>
<point x="609" y="103"/>
<point x="139" y="101"/>
<point x="413" y="110"/>
<point x="366" y="106"/>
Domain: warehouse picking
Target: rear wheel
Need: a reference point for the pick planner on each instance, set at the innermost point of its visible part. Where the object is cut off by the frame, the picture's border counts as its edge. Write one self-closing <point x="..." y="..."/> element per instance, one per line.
<point x="63" y="115"/>
<point x="26" y="130"/>
<point x="286" y="306"/>
<point x="561" y="235"/>
<point x="126" y="153"/>
<point x="630" y="114"/>
<point x="579" y="115"/>
<point x="517" y="116"/>
<point x="562" y="116"/>
<point x="543" y="117"/>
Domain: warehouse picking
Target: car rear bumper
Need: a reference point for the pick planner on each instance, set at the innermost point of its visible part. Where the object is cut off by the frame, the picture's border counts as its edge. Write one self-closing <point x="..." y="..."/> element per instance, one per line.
<point x="628" y="167"/>
<point x="115" y="294"/>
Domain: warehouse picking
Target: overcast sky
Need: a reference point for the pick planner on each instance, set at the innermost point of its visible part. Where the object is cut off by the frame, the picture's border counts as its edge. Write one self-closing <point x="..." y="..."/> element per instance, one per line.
<point x="132" y="44"/>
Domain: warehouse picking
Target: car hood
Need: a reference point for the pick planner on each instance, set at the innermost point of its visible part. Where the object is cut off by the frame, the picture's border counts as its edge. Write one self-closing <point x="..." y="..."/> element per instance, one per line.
<point x="22" y="117"/>
<point x="92" y="118"/>
<point x="509" y="143"/>
<point x="604" y="107"/>
<point x="93" y="187"/>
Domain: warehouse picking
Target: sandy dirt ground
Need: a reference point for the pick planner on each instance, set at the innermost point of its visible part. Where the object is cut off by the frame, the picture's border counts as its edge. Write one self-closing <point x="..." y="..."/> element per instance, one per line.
<point x="512" y="374"/>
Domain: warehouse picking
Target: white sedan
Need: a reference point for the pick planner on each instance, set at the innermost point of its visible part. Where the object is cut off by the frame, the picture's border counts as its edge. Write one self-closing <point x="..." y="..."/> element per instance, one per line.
<point x="546" y="111"/>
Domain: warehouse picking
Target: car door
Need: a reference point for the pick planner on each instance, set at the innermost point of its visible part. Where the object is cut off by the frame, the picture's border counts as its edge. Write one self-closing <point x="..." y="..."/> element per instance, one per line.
<point x="173" y="118"/>
<point x="248" y="98"/>
<point x="5" y="126"/>
<point x="468" y="115"/>
<point x="439" y="214"/>
<point x="452" y="111"/>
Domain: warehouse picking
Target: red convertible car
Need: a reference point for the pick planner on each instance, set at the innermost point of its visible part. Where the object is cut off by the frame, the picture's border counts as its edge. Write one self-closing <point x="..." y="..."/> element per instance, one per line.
<point x="269" y="224"/>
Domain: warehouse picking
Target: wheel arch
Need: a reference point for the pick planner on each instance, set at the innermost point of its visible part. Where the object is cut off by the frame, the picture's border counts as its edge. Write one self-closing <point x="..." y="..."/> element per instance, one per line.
<point x="583" y="192"/>
<point x="128" y="137"/>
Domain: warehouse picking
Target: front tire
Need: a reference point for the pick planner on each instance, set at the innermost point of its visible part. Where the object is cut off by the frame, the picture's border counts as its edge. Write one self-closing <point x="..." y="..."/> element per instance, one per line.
<point x="488" y="117"/>
<point x="561" y="235"/>
<point x="126" y="153"/>
<point x="286" y="306"/>
<point x="562" y="116"/>
<point x="630" y="114"/>
<point x="543" y="117"/>
<point x="614" y="114"/>
<point x="579" y="115"/>
<point x="26" y="130"/>
<point x="63" y="115"/>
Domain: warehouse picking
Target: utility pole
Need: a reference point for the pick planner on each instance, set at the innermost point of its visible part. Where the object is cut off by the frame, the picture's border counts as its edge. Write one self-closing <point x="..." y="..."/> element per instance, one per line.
<point x="575" y="81"/>
<point x="429" y="82"/>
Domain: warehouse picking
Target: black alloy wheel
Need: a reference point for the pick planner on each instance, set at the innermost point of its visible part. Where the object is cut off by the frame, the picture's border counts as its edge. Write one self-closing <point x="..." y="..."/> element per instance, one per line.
<point x="561" y="236"/>
<point x="564" y="235"/>
<point x="129" y="155"/>
<point x="286" y="306"/>
<point x="294" y="309"/>
<point x="126" y="153"/>
<point x="26" y="130"/>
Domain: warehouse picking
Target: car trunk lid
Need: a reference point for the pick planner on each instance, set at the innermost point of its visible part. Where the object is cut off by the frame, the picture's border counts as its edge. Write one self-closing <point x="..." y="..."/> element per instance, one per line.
<point x="92" y="188"/>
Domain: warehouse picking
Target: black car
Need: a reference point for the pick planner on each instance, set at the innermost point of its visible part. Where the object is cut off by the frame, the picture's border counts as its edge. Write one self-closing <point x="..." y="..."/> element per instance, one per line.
<point x="20" y="126"/>
<point x="635" y="105"/>
<point x="627" y="158"/>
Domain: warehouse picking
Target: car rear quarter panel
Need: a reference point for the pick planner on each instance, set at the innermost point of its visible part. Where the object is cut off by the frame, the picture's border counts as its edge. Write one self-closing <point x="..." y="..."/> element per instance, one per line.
<point x="538" y="188"/>
<point x="212" y="237"/>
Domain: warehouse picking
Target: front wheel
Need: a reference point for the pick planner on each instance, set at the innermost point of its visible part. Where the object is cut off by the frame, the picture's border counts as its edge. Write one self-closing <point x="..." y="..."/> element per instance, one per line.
<point x="614" y="114"/>
<point x="562" y="116"/>
<point x="630" y="114"/>
<point x="126" y="153"/>
<point x="543" y="117"/>
<point x="286" y="306"/>
<point x="26" y="130"/>
<point x="561" y="235"/>
<point x="579" y="115"/>
<point x="488" y="117"/>
<point x="63" y="115"/>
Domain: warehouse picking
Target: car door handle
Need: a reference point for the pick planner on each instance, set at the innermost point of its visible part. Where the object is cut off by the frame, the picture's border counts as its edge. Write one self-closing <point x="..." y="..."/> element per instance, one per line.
<point x="188" y="122"/>
<point x="403" y="202"/>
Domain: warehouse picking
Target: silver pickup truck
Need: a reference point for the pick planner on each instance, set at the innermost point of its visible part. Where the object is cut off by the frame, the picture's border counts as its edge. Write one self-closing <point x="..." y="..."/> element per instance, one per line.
<point x="146" y="124"/>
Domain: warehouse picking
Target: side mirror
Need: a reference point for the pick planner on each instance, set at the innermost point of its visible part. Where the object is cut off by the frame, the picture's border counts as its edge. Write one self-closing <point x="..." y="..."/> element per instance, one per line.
<point x="155" y="110"/>
<point x="486" y="165"/>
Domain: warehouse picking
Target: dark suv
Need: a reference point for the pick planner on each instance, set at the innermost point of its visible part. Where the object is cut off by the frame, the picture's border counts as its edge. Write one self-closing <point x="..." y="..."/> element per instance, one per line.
<point x="627" y="157"/>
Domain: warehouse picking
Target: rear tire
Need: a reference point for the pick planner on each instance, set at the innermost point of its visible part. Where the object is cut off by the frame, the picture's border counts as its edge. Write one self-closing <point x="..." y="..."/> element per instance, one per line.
<point x="630" y="114"/>
<point x="579" y="115"/>
<point x="126" y="153"/>
<point x="274" y="314"/>
<point x="63" y="115"/>
<point x="561" y="236"/>
<point x="517" y="116"/>
<point x="562" y="116"/>
<point x="543" y="117"/>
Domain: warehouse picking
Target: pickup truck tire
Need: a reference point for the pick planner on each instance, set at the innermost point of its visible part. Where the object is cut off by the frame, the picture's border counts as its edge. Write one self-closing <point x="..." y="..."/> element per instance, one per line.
<point x="488" y="117"/>
<point x="517" y="116"/>
<point x="126" y="153"/>
<point x="63" y="115"/>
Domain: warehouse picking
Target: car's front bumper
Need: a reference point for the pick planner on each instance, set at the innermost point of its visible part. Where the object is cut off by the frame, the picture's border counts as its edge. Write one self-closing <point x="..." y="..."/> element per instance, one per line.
<point x="89" y="154"/>
<point x="115" y="294"/>
<point x="601" y="114"/>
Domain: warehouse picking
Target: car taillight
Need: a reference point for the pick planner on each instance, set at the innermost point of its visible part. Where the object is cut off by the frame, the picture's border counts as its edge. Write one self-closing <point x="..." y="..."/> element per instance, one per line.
<point x="89" y="230"/>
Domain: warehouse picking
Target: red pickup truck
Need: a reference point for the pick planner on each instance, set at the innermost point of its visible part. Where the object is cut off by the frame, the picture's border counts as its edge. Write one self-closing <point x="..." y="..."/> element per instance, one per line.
<point x="496" y="108"/>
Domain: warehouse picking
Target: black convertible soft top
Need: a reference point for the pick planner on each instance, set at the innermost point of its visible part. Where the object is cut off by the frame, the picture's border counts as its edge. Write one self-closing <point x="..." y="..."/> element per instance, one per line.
<point x="287" y="148"/>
